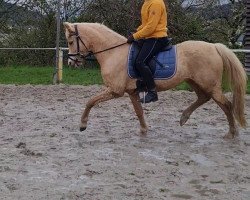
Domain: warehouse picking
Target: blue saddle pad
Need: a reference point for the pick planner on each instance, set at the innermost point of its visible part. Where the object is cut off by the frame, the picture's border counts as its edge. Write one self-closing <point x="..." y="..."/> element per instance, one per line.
<point x="163" y="65"/>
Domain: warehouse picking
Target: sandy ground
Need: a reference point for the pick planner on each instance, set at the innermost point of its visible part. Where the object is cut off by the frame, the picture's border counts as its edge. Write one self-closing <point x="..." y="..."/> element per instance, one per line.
<point x="44" y="156"/>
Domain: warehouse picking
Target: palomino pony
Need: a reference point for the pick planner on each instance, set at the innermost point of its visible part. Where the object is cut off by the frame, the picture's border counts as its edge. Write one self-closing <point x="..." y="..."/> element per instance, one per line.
<point x="200" y="64"/>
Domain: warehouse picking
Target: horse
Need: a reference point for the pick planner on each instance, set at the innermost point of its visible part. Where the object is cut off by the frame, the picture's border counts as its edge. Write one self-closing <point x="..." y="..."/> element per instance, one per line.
<point x="200" y="64"/>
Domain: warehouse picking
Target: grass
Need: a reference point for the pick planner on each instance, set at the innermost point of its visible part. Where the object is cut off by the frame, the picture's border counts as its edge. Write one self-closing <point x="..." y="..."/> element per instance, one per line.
<point x="21" y="75"/>
<point x="87" y="76"/>
<point x="25" y="75"/>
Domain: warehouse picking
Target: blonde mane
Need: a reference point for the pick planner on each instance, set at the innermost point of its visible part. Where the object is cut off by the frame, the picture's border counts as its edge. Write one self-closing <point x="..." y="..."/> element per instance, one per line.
<point x="100" y="33"/>
<point x="102" y="27"/>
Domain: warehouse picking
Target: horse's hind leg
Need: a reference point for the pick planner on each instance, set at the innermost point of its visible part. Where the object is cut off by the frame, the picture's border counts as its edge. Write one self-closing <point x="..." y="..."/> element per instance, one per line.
<point x="138" y="110"/>
<point x="202" y="98"/>
<point x="226" y="106"/>
<point x="104" y="96"/>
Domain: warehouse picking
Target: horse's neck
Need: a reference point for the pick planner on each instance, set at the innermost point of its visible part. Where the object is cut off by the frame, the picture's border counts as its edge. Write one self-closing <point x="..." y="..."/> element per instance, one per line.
<point x="101" y="39"/>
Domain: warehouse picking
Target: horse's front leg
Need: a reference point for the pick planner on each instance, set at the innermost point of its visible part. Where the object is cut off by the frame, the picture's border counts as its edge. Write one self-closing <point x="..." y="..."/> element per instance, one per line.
<point x="139" y="111"/>
<point x="104" y="96"/>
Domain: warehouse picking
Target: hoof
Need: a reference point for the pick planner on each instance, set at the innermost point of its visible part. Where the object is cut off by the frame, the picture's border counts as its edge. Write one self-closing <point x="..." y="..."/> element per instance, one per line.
<point x="184" y="119"/>
<point x="228" y="136"/>
<point x="231" y="135"/>
<point x="143" y="131"/>
<point x="82" y="129"/>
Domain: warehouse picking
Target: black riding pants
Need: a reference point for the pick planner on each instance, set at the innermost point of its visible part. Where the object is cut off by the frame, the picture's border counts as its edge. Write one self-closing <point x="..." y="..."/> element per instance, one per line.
<point x="148" y="48"/>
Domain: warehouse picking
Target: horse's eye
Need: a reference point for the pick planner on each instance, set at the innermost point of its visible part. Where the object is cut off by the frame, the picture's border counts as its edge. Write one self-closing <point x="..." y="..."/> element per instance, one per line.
<point x="70" y="43"/>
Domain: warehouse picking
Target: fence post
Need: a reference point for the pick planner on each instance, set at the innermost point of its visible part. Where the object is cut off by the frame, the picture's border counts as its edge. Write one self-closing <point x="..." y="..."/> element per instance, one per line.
<point x="57" y="72"/>
<point x="60" y="66"/>
<point x="247" y="38"/>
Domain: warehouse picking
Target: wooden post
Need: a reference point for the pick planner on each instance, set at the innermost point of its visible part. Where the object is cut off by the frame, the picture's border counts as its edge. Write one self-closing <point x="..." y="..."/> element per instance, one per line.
<point x="60" y="66"/>
<point x="56" y="78"/>
<point x="247" y="38"/>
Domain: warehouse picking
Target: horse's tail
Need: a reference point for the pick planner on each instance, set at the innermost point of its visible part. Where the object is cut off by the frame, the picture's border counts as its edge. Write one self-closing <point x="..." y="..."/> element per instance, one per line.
<point x="237" y="79"/>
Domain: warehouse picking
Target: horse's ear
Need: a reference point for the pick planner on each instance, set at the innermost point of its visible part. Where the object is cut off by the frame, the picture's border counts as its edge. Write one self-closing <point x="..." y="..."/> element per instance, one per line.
<point x="68" y="26"/>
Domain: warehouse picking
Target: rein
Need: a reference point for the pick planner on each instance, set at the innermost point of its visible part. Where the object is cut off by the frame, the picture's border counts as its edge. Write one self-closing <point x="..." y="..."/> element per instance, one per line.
<point x="89" y="53"/>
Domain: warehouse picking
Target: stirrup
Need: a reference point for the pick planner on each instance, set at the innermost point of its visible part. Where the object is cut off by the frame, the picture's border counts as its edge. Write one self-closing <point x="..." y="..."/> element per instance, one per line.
<point x="150" y="97"/>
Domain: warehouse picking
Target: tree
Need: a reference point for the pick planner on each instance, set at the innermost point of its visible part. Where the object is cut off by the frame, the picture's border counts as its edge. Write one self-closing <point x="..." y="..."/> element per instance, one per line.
<point x="33" y="23"/>
<point x="120" y="15"/>
<point x="221" y="22"/>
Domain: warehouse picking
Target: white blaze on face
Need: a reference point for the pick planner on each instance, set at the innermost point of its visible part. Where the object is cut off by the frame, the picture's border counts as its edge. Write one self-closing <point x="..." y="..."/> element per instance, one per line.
<point x="71" y="62"/>
<point x="74" y="59"/>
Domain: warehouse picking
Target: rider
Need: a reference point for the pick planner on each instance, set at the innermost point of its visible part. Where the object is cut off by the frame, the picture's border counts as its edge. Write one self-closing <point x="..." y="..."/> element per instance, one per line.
<point x="152" y="34"/>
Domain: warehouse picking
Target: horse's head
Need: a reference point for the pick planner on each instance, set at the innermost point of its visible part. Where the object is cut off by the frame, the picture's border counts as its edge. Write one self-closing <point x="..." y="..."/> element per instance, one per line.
<point x="78" y="48"/>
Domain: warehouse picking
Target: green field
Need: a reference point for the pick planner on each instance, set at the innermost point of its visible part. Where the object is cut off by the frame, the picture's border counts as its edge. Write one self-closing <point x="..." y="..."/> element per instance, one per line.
<point x="21" y="75"/>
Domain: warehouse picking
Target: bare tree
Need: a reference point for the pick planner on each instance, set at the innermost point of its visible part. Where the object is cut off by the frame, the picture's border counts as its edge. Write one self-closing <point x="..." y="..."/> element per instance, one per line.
<point x="32" y="23"/>
<point x="227" y="22"/>
<point x="71" y="9"/>
<point x="209" y="20"/>
<point x="120" y="15"/>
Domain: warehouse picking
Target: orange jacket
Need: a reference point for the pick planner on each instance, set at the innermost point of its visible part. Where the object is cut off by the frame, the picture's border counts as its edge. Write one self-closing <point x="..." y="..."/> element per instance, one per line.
<point x="153" y="20"/>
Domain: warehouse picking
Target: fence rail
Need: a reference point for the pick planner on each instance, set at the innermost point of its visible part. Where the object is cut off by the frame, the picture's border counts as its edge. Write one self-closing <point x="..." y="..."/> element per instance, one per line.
<point x="29" y="48"/>
<point x="58" y="69"/>
<point x="66" y="49"/>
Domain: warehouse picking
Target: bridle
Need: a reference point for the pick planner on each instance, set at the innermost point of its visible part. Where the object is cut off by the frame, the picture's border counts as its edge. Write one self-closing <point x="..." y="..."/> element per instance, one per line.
<point x="79" y="54"/>
<point x="89" y="53"/>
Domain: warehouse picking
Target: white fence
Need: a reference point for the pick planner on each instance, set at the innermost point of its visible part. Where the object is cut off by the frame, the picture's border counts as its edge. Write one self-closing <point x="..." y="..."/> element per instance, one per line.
<point x="57" y="78"/>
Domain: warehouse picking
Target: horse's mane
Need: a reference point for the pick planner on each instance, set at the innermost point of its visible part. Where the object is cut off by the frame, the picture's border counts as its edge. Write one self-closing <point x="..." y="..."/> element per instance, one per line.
<point x="102" y="30"/>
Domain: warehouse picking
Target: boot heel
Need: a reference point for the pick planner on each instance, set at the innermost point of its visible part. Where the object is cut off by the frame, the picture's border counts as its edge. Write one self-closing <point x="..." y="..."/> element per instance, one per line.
<point x="150" y="97"/>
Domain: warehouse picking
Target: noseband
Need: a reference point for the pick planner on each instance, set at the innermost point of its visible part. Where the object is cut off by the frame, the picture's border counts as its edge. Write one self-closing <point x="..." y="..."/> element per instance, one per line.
<point x="89" y="53"/>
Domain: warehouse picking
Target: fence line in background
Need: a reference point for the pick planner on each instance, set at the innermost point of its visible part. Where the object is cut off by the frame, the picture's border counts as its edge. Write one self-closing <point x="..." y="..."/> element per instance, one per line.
<point x="241" y="50"/>
<point x="58" y="69"/>
<point x="28" y="48"/>
<point x="66" y="49"/>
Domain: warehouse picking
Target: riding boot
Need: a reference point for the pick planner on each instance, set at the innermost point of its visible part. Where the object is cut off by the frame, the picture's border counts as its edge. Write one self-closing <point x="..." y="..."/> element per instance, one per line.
<point x="147" y="77"/>
<point x="151" y="96"/>
<point x="140" y="86"/>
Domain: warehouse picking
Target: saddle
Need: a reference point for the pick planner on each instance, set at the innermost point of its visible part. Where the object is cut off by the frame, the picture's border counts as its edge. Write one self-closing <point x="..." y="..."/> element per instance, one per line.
<point x="155" y="60"/>
<point x="162" y="65"/>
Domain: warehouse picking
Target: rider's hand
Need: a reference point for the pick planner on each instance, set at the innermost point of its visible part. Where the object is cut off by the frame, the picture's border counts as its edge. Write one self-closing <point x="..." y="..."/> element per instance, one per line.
<point x="130" y="39"/>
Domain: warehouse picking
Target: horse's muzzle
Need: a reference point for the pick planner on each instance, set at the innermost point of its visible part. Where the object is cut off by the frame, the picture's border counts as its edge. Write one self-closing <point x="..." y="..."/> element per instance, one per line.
<point x="75" y="61"/>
